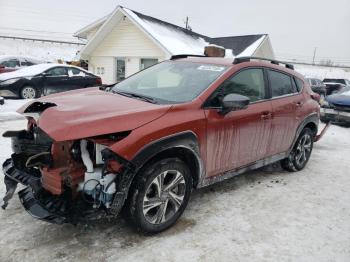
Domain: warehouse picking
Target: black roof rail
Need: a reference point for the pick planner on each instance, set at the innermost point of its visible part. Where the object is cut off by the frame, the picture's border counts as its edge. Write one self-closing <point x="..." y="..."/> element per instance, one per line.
<point x="174" y="57"/>
<point x="248" y="58"/>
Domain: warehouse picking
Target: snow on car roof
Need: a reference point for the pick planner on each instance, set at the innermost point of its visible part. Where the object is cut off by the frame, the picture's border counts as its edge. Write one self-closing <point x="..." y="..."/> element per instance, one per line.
<point x="334" y="83"/>
<point x="34" y="70"/>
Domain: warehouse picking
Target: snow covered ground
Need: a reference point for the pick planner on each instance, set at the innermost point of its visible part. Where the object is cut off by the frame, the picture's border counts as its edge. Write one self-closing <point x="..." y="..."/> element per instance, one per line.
<point x="8" y="110"/>
<point x="266" y="215"/>
<point x="322" y="72"/>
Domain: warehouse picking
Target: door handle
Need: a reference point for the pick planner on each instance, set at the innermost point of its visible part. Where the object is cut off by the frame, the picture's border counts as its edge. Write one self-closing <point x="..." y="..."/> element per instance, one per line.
<point x="266" y="115"/>
<point x="299" y="104"/>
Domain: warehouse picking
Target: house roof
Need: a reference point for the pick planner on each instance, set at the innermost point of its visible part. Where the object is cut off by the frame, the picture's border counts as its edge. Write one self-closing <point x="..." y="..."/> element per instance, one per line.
<point x="171" y="38"/>
<point x="238" y="44"/>
<point x="82" y="33"/>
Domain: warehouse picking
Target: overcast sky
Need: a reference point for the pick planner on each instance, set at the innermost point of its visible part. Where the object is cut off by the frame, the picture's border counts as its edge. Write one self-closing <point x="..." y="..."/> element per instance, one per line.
<point x="295" y="27"/>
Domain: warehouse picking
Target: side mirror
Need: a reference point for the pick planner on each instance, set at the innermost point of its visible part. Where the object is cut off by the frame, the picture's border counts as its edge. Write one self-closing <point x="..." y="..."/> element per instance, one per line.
<point x="233" y="102"/>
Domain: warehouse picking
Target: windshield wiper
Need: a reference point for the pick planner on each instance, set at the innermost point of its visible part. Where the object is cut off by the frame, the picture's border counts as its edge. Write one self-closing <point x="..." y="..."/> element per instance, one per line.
<point x="137" y="96"/>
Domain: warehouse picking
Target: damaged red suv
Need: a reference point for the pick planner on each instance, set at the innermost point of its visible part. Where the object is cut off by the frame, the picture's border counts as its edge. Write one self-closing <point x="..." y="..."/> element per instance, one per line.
<point x="145" y="143"/>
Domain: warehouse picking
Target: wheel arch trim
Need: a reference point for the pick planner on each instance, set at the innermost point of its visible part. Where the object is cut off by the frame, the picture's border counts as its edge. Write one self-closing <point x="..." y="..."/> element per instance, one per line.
<point x="310" y="119"/>
<point x="186" y="140"/>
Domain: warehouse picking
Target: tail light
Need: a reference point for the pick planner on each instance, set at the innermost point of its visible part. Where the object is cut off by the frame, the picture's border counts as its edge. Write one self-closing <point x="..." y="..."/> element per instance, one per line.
<point x="316" y="97"/>
<point x="99" y="81"/>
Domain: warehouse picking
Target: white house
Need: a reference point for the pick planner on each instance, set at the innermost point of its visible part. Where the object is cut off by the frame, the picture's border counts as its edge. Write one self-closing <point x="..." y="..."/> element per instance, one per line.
<point x="126" y="41"/>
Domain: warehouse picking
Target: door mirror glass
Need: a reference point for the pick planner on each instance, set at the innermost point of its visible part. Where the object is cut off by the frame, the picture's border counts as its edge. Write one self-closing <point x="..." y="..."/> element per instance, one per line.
<point x="233" y="102"/>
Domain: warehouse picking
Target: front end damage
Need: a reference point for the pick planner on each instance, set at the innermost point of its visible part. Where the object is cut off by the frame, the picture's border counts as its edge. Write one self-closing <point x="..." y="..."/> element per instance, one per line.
<point x="66" y="182"/>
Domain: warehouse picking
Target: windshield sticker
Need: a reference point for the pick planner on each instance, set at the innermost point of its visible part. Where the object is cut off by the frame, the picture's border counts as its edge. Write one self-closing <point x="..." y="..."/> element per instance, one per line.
<point x="211" y="68"/>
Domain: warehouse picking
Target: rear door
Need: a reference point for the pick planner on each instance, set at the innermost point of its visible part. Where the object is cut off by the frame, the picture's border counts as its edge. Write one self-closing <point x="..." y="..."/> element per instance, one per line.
<point x="286" y="106"/>
<point x="238" y="137"/>
<point x="78" y="78"/>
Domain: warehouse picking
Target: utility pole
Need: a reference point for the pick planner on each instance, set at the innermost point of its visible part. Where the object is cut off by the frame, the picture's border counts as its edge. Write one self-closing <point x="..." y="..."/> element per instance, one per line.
<point x="186" y="22"/>
<point x="313" y="59"/>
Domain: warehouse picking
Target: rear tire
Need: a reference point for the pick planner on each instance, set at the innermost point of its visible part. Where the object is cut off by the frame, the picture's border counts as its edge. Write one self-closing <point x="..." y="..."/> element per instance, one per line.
<point x="301" y="152"/>
<point x="159" y="195"/>
<point x="29" y="92"/>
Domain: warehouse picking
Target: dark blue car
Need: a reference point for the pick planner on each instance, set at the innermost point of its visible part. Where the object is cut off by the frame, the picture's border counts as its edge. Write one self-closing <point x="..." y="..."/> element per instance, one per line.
<point x="337" y="107"/>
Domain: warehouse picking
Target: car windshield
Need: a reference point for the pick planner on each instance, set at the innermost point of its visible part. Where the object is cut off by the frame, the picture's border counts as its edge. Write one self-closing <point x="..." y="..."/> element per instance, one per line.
<point x="170" y="82"/>
<point x="345" y="91"/>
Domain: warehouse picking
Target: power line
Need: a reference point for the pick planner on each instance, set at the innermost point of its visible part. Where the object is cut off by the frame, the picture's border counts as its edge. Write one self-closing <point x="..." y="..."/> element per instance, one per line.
<point x="310" y="56"/>
<point x="29" y="30"/>
<point x="41" y="40"/>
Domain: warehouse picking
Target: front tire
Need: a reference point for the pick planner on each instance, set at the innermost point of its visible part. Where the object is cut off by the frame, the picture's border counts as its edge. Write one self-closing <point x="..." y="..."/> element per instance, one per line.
<point x="159" y="195"/>
<point x="29" y="92"/>
<point x="301" y="152"/>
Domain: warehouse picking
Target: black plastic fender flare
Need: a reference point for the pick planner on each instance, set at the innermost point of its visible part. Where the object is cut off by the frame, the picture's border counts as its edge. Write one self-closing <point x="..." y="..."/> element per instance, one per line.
<point x="186" y="140"/>
<point x="312" y="118"/>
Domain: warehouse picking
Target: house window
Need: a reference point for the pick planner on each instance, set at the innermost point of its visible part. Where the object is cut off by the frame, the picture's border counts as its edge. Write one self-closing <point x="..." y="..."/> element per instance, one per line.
<point x="100" y="71"/>
<point x="147" y="62"/>
<point x="120" y="74"/>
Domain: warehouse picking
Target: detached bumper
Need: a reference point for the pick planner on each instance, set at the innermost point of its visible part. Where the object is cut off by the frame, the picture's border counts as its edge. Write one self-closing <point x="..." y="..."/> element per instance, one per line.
<point x="13" y="176"/>
<point x="37" y="209"/>
<point x="331" y="115"/>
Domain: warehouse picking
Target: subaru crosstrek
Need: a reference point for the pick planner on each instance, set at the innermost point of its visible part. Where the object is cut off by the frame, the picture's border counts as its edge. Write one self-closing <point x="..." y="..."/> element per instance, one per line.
<point x="144" y="144"/>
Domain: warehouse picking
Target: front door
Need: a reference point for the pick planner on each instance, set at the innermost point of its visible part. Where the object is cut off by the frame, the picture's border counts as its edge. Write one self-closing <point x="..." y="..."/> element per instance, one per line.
<point x="239" y="137"/>
<point x="55" y="80"/>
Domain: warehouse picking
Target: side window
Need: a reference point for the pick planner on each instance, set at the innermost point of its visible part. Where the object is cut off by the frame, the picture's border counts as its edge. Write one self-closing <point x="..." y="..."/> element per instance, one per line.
<point x="299" y="84"/>
<point x="249" y="82"/>
<point x="75" y="72"/>
<point x="26" y="63"/>
<point x="57" y="71"/>
<point x="281" y="84"/>
<point x="313" y="82"/>
<point x="12" y="63"/>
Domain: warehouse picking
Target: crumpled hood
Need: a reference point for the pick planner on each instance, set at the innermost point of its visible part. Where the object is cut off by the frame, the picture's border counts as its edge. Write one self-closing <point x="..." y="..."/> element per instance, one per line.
<point x="92" y="112"/>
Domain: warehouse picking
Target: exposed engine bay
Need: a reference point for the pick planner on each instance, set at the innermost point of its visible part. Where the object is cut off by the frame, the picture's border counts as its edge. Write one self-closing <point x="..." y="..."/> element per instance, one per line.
<point x="66" y="182"/>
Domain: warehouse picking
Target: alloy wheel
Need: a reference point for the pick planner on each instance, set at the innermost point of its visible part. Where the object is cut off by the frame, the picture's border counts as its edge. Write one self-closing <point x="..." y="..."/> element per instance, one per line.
<point x="303" y="149"/>
<point x="164" y="196"/>
<point x="28" y="92"/>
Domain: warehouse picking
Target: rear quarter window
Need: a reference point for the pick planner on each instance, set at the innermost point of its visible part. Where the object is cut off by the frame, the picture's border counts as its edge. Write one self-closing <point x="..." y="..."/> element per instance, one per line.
<point x="299" y="84"/>
<point x="281" y="84"/>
